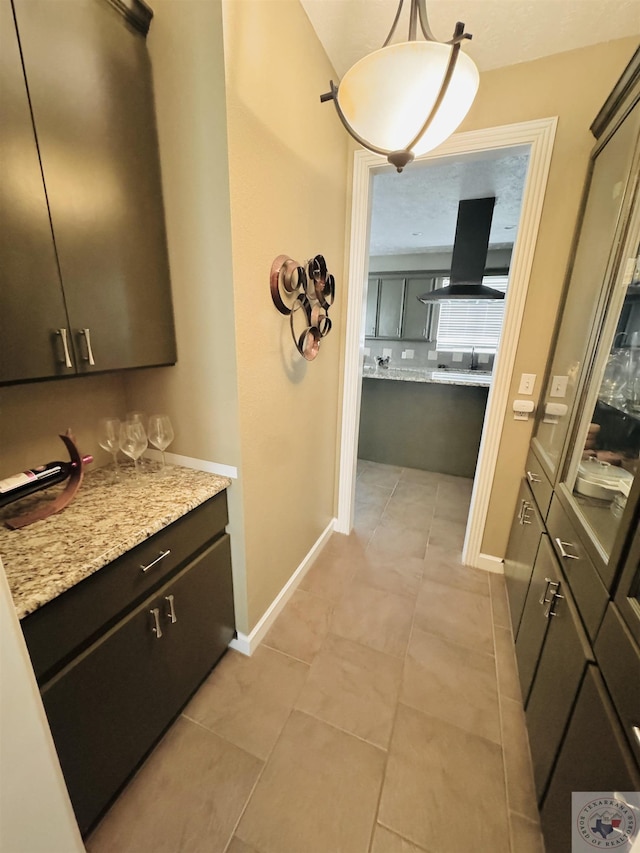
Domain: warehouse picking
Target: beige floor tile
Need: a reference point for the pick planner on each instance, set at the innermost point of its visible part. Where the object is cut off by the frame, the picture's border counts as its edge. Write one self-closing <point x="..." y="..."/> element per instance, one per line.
<point x="454" y="508"/>
<point x="392" y="537"/>
<point x="416" y="516"/>
<point x="188" y="796"/>
<point x="443" y="565"/>
<point x="332" y="571"/>
<point x="447" y="534"/>
<point x="499" y="602"/>
<point x="452" y="487"/>
<point x="238" y="846"/>
<point x="401" y="575"/>
<point x="461" y="616"/>
<point x="508" y="681"/>
<point x="375" y="618"/>
<point x="517" y="759"/>
<point x="354" y="688"/>
<point x="380" y="475"/>
<point x="452" y="683"/>
<point x="301" y="627"/>
<point x="424" y="478"/>
<point x="436" y="771"/>
<point x="247" y="700"/>
<point x="361" y="465"/>
<point x="318" y="793"/>
<point x="371" y="497"/>
<point x="385" y="841"/>
<point x="525" y="835"/>
<point x="410" y="492"/>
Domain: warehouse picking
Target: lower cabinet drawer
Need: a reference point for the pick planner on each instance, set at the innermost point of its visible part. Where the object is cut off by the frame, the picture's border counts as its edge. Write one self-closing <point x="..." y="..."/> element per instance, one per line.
<point x="593" y="730"/>
<point x="110" y="705"/>
<point x="540" y="485"/>
<point x="619" y="659"/>
<point x="587" y="588"/>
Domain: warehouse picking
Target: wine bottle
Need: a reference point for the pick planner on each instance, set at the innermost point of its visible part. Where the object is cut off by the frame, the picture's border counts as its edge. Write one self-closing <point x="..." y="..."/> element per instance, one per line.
<point x="26" y="482"/>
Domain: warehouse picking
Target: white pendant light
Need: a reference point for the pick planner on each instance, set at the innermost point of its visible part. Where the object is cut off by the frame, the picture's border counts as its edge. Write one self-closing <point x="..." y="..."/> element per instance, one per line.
<point x="407" y="98"/>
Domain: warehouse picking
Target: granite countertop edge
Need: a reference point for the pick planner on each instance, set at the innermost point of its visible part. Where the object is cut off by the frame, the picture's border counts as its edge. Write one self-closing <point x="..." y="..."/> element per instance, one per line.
<point x="48" y="558"/>
<point x="425" y="377"/>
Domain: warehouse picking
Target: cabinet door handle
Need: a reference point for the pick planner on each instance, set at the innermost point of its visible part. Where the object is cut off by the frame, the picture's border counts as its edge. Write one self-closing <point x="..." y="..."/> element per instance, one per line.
<point x="636" y="732"/>
<point x="564" y="554"/>
<point x="161" y="556"/>
<point x="65" y="347"/>
<point x="550" y="583"/>
<point x="171" y="615"/>
<point x="533" y="478"/>
<point x="523" y="504"/>
<point x="555" y="596"/>
<point x="89" y="356"/>
<point x="525" y="515"/>
<point x="157" y="630"/>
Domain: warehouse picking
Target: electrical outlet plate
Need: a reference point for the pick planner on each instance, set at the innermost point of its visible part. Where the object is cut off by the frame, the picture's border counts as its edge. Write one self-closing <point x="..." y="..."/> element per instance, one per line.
<point x="432" y="355"/>
<point x="408" y="353"/>
<point x="387" y="352"/>
<point x="457" y="356"/>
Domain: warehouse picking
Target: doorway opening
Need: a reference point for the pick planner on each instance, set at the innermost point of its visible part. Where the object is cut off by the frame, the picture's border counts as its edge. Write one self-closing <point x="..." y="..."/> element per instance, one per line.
<point x="536" y="138"/>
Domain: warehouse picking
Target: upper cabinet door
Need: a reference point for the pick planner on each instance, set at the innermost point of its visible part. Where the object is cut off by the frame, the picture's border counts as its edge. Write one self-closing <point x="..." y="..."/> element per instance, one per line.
<point x="594" y="263"/>
<point x="390" y="306"/>
<point x="32" y="308"/>
<point x="89" y="79"/>
<point x="416" y="324"/>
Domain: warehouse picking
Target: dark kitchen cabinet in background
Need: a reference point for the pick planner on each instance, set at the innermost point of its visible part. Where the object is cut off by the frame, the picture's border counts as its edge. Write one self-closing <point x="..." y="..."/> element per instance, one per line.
<point x="88" y="77"/>
<point x="393" y="310"/>
<point x="32" y="303"/>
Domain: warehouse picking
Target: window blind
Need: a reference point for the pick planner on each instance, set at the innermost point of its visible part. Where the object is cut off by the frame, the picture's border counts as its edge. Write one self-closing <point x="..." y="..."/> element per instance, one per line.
<point x="471" y="323"/>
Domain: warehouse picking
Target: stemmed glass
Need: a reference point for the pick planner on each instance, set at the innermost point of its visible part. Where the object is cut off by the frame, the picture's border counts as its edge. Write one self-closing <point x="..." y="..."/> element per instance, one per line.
<point x="109" y="440"/>
<point x="160" y="434"/>
<point x="133" y="441"/>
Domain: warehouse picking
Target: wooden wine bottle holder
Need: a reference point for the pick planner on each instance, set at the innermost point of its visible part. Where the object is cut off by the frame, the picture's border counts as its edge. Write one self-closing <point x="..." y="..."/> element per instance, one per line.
<point x="64" y="498"/>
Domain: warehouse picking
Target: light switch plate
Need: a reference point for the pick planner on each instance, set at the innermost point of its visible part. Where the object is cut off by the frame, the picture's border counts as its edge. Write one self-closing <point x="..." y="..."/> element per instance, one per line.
<point x="527" y="383"/>
<point x="432" y="355"/>
<point x="457" y="356"/>
<point x="559" y="386"/>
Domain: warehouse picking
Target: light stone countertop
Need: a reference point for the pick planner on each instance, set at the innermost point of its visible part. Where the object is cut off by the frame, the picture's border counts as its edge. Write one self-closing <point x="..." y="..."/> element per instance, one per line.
<point x="105" y="520"/>
<point x="450" y="376"/>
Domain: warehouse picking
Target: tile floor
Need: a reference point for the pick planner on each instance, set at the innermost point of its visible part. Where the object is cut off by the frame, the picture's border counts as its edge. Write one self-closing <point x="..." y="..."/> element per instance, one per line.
<point x="381" y="714"/>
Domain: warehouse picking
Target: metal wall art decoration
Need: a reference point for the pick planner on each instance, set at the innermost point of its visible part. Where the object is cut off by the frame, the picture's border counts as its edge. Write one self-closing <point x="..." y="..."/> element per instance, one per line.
<point x="304" y="293"/>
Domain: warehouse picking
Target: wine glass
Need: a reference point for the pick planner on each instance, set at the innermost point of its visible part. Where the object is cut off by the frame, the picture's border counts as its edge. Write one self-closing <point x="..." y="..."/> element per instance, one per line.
<point x="109" y="440"/>
<point x="133" y="441"/>
<point x="160" y="434"/>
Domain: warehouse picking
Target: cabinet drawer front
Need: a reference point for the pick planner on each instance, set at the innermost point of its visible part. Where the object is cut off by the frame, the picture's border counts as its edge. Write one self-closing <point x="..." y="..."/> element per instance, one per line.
<point x="540" y="485"/>
<point x="588" y="590"/>
<point x="68" y="623"/>
<point x="521" y="553"/>
<point x="619" y="660"/>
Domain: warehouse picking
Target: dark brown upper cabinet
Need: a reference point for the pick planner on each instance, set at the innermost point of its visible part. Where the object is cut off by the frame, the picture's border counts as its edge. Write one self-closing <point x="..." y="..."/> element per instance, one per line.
<point x="90" y="236"/>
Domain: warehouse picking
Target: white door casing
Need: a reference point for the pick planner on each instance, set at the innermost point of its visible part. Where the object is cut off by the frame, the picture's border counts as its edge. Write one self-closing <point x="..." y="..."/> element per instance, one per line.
<point x="538" y="136"/>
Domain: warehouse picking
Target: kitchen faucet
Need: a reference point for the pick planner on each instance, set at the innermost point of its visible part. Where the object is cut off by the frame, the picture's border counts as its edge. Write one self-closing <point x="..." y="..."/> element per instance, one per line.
<point x="474" y="359"/>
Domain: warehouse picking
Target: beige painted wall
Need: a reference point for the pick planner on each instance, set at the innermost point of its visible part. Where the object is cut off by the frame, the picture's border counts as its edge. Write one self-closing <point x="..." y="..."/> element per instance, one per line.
<point x="288" y="179"/>
<point x="572" y="86"/>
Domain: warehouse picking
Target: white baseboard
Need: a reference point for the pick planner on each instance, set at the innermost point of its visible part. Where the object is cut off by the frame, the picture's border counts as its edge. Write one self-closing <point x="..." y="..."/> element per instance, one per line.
<point x="248" y="643"/>
<point x="197" y="464"/>
<point x="489" y="564"/>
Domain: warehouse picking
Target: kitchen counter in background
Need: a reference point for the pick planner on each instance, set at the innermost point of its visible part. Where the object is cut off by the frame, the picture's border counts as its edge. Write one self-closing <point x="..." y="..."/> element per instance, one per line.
<point x="450" y="376"/>
<point x="104" y="521"/>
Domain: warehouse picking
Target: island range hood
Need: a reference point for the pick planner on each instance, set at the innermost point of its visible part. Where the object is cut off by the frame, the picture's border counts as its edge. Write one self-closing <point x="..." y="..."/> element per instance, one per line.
<point x="469" y="259"/>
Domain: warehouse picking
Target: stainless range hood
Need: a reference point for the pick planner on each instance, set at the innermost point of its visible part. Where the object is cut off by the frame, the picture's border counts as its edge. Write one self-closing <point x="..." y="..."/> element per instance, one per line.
<point x="469" y="258"/>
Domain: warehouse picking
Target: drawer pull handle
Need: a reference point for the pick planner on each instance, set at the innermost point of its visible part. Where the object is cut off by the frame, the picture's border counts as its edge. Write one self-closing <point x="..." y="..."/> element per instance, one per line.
<point x="162" y="555"/>
<point x="523" y="506"/>
<point x="636" y="731"/>
<point x="555" y="596"/>
<point x="564" y="554"/>
<point x="525" y="514"/>
<point x="89" y="356"/>
<point x="533" y="478"/>
<point x="550" y="583"/>
<point x="172" y="611"/>
<point x="157" y="630"/>
<point x="65" y="347"/>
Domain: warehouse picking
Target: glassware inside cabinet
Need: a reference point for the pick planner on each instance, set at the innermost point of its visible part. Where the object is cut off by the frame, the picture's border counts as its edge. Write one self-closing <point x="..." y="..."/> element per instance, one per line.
<point x="596" y="249"/>
<point x="605" y="458"/>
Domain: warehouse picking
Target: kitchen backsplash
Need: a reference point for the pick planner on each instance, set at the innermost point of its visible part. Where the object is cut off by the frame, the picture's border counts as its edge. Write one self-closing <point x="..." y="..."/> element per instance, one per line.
<point x="416" y="355"/>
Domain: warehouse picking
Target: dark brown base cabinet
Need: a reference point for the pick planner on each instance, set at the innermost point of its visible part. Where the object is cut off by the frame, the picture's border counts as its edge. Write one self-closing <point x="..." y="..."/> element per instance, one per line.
<point x="111" y="702"/>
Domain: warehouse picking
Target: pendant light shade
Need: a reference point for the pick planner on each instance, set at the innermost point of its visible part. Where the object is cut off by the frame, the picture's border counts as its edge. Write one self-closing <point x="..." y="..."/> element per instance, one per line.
<point x="407" y="98"/>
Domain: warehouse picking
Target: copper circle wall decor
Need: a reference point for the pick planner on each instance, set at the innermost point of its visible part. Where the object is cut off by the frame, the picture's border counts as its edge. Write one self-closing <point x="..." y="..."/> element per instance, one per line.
<point x="304" y="293"/>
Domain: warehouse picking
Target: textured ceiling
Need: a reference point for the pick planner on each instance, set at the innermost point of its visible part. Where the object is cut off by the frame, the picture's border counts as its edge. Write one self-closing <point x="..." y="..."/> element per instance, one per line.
<point x="504" y="31"/>
<point x="417" y="211"/>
